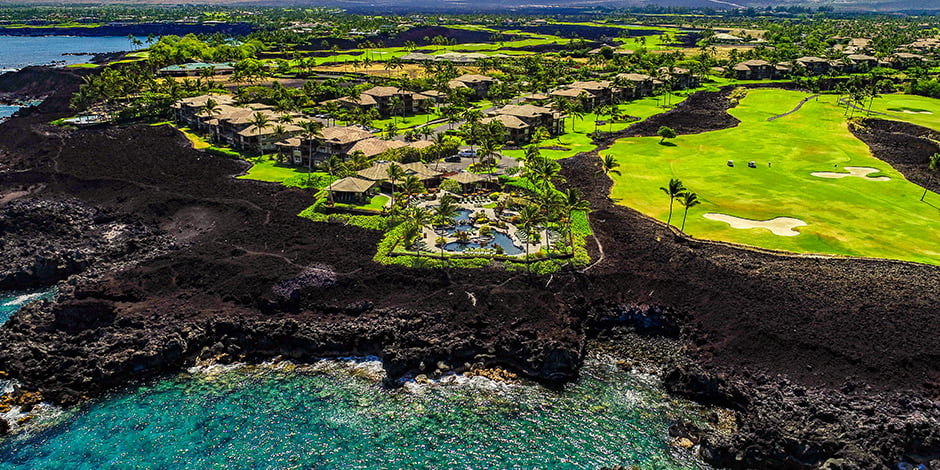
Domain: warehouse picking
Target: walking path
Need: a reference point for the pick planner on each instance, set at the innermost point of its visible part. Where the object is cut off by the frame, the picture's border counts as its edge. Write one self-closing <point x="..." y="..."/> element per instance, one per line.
<point x="797" y="108"/>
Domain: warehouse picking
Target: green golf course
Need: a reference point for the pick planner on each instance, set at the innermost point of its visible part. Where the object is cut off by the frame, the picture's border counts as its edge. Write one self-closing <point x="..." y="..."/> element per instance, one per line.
<point x="852" y="215"/>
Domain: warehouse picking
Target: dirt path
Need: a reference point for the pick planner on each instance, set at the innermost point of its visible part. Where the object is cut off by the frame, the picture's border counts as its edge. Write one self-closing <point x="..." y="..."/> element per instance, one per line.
<point x="797" y="108"/>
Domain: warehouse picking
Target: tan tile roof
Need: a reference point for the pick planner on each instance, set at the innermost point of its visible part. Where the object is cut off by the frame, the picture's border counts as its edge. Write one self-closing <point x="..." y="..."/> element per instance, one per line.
<point x="384" y="91"/>
<point x="524" y="110"/>
<point x="379" y="171"/>
<point x="571" y="92"/>
<point x="474" y="78"/>
<point x="351" y="184"/>
<point x="592" y="85"/>
<point x="635" y="77"/>
<point x="372" y="147"/>
<point x="510" y="122"/>
<point x="467" y="178"/>
<point x="200" y="101"/>
<point x="270" y="130"/>
<point x="341" y="135"/>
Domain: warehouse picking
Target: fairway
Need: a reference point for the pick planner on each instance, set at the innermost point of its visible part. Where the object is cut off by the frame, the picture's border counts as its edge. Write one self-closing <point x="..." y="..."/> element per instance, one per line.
<point x="878" y="215"/>
<point x="919" y="110"/>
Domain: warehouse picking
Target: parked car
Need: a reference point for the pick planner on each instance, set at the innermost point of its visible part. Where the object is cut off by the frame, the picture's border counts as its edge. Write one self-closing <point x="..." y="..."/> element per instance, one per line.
<point x="469" y="153"/>
<point x="453" y="159"/>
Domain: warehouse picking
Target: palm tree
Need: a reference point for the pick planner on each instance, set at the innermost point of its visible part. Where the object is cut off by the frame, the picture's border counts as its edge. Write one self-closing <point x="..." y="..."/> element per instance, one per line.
<point x="260" y="121"/>
<point x="312" y="132"/>
<point x="472" y="117"/>
<point x="395" y="173"/>
<point x="530" y="216"/>
<point x="933" y="166"/>
<point x="674" y="190"/>
<point x="444" y="214"/>
<point x="609" y="165"/>
<point x="411" y="185"/>
<point x="210" y="108"/>
<point x="687" y="199"/>
<point x="332" y="165"/>
<point x="572" y="202"/>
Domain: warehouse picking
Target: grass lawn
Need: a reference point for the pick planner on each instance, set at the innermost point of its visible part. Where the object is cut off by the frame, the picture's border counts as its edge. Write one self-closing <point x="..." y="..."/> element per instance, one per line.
<point x="264" y="168"/>
<point x="376" y="204"/>
<point x="406" y="121"/>
<point x="576" y="140"/>
<point x="848" y="216"/>
<point x="914" y="109"/>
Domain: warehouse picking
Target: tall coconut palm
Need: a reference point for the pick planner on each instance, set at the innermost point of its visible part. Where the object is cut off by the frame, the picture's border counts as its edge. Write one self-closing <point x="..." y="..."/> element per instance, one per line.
<point x="260" y="121"/>
<point x="687" y="199"/>
<point x="933" y="166"/>
<point x="333" y="166"/>
<point x="530" y="216"/>
<point x="395" y="173"/>
<point x="311" y="132"/>
<point x="472" y="117"/>
<point x="444" y="214"/>
<point x="572" y="203"/>
<point x="411" y="185"/>
<point x="673" y="190"/>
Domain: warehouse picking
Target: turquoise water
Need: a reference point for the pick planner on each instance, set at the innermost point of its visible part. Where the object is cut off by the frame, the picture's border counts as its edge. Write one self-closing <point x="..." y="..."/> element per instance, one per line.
<point x="21" y="51"/>
<point x="7" y="111"/>
<point x="336" y="414"/>
<point x="10" y="302"/>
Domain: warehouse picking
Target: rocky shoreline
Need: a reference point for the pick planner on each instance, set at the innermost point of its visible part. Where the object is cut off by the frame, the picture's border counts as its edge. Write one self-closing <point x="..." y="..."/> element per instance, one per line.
<point x="208" y="268"/>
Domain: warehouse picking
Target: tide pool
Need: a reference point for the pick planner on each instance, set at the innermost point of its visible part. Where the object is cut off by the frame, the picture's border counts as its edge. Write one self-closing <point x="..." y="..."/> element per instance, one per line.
<point x="10" y="302"/>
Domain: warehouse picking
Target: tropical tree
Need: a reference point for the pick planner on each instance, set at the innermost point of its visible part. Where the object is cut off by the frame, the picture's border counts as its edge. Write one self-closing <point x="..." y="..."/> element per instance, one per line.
<point x="312" y="133"/>
<point x="395" y="173"/>
<point x="609" y="165"/>
<point x="444" y="213"/>
<point x="571" y="203"/>
<point x="528" y="220"/>
<point x="934" y="166"/>
<point x="333" y="166"/>
<point x="673" y="190"/>
<point x="665" y="133"/>
<point x="687" y="199"/>
<point x="260" y="121"/>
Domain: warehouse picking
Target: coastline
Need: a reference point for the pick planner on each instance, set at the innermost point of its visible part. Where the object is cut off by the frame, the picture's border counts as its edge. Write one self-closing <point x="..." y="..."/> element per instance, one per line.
<point x="747" y="317"/>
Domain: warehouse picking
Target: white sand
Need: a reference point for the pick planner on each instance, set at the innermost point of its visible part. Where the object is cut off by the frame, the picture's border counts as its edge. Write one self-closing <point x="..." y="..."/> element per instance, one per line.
<point x="782" y="226"/>
<point x="908" y="111"/>
<point x="857" y="171"/>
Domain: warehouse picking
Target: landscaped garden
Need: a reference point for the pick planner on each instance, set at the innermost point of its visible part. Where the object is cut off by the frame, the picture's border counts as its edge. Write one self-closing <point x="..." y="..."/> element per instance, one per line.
<point x="844" y="214"/>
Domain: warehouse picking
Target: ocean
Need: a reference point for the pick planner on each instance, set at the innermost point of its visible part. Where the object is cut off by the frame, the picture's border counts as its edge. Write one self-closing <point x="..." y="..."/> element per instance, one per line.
<point x="22" y="51"/>
<point x="336" y="414"/>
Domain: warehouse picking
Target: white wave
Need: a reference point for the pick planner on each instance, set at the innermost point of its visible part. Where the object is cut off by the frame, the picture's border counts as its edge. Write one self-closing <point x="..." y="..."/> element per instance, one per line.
<point x="23" y="299"/>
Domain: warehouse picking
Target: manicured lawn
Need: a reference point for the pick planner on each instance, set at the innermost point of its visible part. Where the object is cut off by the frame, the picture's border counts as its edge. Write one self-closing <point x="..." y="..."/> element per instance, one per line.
<point x="198" y="142"/>
<point x="847" y="216"/>
<point x="576" y="139"/>
<point x="914" y="109"/>
<point x="266" y="169"/>
<point x="406" y="121"/>
<point x="376" y="204"/>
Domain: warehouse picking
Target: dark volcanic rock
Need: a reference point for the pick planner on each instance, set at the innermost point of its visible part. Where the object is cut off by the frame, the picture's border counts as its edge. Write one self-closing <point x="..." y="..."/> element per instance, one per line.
<point x="44" y="241"/>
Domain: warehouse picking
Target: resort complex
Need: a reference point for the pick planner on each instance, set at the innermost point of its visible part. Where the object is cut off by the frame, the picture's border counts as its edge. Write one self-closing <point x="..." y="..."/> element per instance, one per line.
<point x="471" y="235"/>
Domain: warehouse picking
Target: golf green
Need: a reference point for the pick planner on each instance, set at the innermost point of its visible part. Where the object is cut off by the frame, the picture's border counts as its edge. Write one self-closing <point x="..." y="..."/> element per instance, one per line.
<point x="854" y="216"/>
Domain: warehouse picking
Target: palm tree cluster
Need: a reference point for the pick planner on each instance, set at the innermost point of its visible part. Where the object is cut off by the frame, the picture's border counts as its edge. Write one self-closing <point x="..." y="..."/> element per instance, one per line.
<point x="687" y="198"/>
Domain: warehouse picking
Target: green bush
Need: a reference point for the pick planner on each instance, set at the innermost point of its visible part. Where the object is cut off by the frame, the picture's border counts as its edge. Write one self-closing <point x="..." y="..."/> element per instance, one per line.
<point x="222" y="152"/>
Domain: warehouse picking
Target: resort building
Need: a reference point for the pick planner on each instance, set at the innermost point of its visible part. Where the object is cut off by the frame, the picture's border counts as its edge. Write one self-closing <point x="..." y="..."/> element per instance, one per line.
<point x="755" y="70"/>
<point x="595" y="93"/>
<point x="387" y="100"/>
<point x="379" y="173"/>
<point x="636" y="85"/>
<point x="521" y="120"/>
<point x="814" y="65"/>
<point x="352" y="190"/>
<point x="480" y="84"/>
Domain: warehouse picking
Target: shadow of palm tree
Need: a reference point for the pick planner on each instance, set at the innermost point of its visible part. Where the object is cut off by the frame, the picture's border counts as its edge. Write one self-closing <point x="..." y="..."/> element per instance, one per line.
<point x="668" y="144"/>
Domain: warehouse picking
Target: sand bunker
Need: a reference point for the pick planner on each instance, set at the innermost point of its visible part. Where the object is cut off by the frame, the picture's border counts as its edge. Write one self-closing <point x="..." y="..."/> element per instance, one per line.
<point x="857" y="171"/>
<point x="911" y="111"/>
<point x="782" y="226"/>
